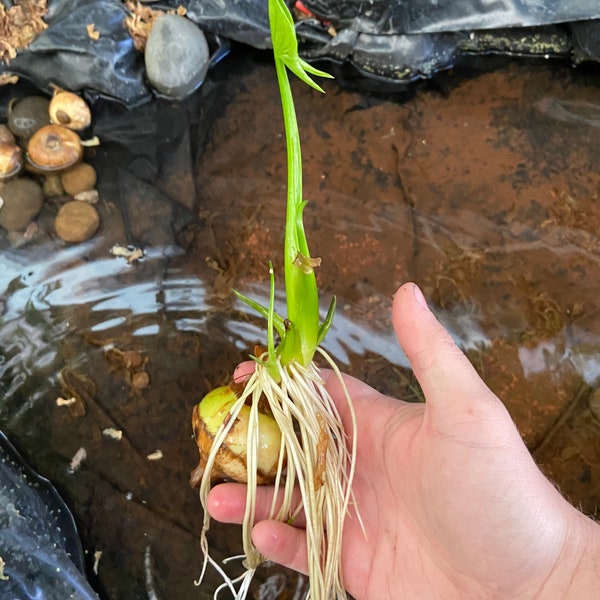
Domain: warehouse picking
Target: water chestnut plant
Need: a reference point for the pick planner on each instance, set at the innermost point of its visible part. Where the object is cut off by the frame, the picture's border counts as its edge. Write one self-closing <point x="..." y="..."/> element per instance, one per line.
<point x="281" y="427"/>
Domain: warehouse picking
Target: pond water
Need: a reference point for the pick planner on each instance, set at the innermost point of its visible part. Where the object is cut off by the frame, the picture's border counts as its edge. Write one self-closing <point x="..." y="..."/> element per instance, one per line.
<point x="482" y="187"/>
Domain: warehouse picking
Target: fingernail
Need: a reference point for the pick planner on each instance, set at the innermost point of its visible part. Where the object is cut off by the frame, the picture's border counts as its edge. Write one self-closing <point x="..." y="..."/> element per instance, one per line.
<point x="419" y="296"/>
<point x="242" y="372"/>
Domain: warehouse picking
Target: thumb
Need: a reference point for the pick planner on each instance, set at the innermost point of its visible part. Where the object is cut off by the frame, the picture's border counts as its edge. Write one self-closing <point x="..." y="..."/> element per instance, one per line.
<point x="447" y="378"/>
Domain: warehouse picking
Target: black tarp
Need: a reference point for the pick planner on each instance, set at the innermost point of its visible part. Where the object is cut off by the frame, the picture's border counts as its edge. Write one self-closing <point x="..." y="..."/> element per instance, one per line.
<point x="39" y="545"/>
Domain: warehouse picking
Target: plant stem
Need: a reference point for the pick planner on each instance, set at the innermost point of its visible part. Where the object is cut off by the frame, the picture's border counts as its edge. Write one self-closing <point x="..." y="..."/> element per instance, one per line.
<point x="300" y="284"/>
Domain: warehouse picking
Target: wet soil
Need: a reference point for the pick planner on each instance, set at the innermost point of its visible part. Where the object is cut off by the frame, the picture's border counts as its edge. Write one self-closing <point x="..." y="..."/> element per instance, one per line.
<point x="481" y="188"/>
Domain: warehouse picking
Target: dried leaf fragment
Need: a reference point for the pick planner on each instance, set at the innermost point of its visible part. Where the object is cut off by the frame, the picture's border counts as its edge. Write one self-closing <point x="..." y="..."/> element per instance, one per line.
<point x="8" y="79"/>
<point x="19" y="26"/>
<point x="89" y="196"/>
<point x="97" y="557"/>
<point x="130" y="253"/>
<point x="111" y="432"/>
<point x="66" y="401"/>
<point x="142" y="19"/>
<point x="3" y="577"/>
<point x="92" y="32"/>
<point x="306" y="263"/>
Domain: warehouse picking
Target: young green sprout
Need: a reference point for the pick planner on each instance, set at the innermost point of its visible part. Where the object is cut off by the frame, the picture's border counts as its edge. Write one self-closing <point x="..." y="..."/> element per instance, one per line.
<point x="281" y="427"/>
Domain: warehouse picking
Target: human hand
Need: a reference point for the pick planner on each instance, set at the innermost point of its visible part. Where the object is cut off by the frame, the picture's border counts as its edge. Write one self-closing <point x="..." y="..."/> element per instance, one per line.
<point x="452" y="503"/>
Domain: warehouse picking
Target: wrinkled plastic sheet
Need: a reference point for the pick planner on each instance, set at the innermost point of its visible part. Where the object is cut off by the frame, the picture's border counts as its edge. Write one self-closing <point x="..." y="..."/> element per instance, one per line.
<point x="383" y="17"/>
<point x="399" y="40"/>
<point x="39" y="543"/>
<point x="65" y="55"/>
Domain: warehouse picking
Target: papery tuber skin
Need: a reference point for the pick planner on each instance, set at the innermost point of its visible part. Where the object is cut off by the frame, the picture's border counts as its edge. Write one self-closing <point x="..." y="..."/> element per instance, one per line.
<point x="70" y="110"/>
<point x="209" y="415"/>
<point x="54" y="148"/>
<point x="10" y="160"/>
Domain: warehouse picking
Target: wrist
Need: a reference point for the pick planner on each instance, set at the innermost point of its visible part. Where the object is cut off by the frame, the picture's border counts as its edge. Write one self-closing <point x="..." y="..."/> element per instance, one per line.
<point x="577" y="571"/>
<point x="586" y="576"/>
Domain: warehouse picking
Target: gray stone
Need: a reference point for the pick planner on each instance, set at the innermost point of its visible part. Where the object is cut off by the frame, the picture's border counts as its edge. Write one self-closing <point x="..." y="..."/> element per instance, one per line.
<point x="176" y="56"/>
<point x="22" y="201"/>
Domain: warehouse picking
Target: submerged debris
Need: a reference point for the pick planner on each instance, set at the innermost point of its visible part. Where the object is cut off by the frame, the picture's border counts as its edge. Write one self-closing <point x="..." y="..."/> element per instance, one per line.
<point x="111" y="432"/>
<point x="65" y="401"/>
<point x="97" y="557"/>
<point x="92" y="32"/>
<point x="130" y="253"/>
<point x="3" y="577"/>
<point x="77" y="459"/>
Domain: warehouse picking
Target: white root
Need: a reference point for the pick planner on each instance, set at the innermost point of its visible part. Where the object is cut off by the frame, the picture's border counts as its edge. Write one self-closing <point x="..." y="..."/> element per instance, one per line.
<point x="317" y="457"/>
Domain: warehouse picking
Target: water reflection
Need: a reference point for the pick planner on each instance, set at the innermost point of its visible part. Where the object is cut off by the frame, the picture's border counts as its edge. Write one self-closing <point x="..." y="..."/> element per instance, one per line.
<point x="108" y="287"/>
<point x="580" y="350"/>
<point x="347" y="337"/>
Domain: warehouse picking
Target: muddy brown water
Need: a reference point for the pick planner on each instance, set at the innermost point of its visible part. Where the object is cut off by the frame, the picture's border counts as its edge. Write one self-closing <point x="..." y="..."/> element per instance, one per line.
<point x="483" y="188"/>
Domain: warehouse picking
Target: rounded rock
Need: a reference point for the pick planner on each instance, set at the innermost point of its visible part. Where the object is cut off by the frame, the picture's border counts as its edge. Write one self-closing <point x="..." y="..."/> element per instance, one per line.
<point x="76" y="221"/>
<point x="28" y="115"/>
<point x="80" y="178"/>
<point x="22" y="201"/>
<point x="176" y="56"/>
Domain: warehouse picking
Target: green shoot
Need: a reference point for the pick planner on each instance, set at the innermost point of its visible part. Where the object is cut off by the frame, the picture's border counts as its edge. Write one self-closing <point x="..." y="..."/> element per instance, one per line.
<point x="281" y="426"/>
<point x="302" y="332"/>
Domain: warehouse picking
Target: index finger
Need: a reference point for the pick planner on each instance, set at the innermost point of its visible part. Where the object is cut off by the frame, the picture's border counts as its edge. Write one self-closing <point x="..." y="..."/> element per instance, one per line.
<point x="226" y="502"/>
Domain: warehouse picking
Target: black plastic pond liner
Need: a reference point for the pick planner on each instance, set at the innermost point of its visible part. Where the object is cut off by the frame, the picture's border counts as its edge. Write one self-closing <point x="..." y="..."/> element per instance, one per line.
<point x="64" y="55"/>
<point x="398" y="41"/>
<point x="401" y="42"/>
<point x="390" y="17"/>
<point x="39" y="543"/>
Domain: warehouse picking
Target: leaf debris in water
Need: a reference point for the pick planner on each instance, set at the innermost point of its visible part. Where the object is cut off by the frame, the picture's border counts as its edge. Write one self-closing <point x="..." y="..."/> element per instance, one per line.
<point x="65" y="401"/>
<point x="111" y="432"/>
<point x="3" y="577"/>
<point x="77" y="459"/>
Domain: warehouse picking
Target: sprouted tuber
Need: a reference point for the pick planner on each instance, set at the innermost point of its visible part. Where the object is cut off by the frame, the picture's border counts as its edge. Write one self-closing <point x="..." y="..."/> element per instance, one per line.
<point x="281" y="426"/>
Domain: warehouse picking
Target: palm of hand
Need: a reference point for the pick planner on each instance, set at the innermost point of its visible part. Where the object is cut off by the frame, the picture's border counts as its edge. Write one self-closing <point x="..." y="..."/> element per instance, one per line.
<point x="449" y="505"/>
